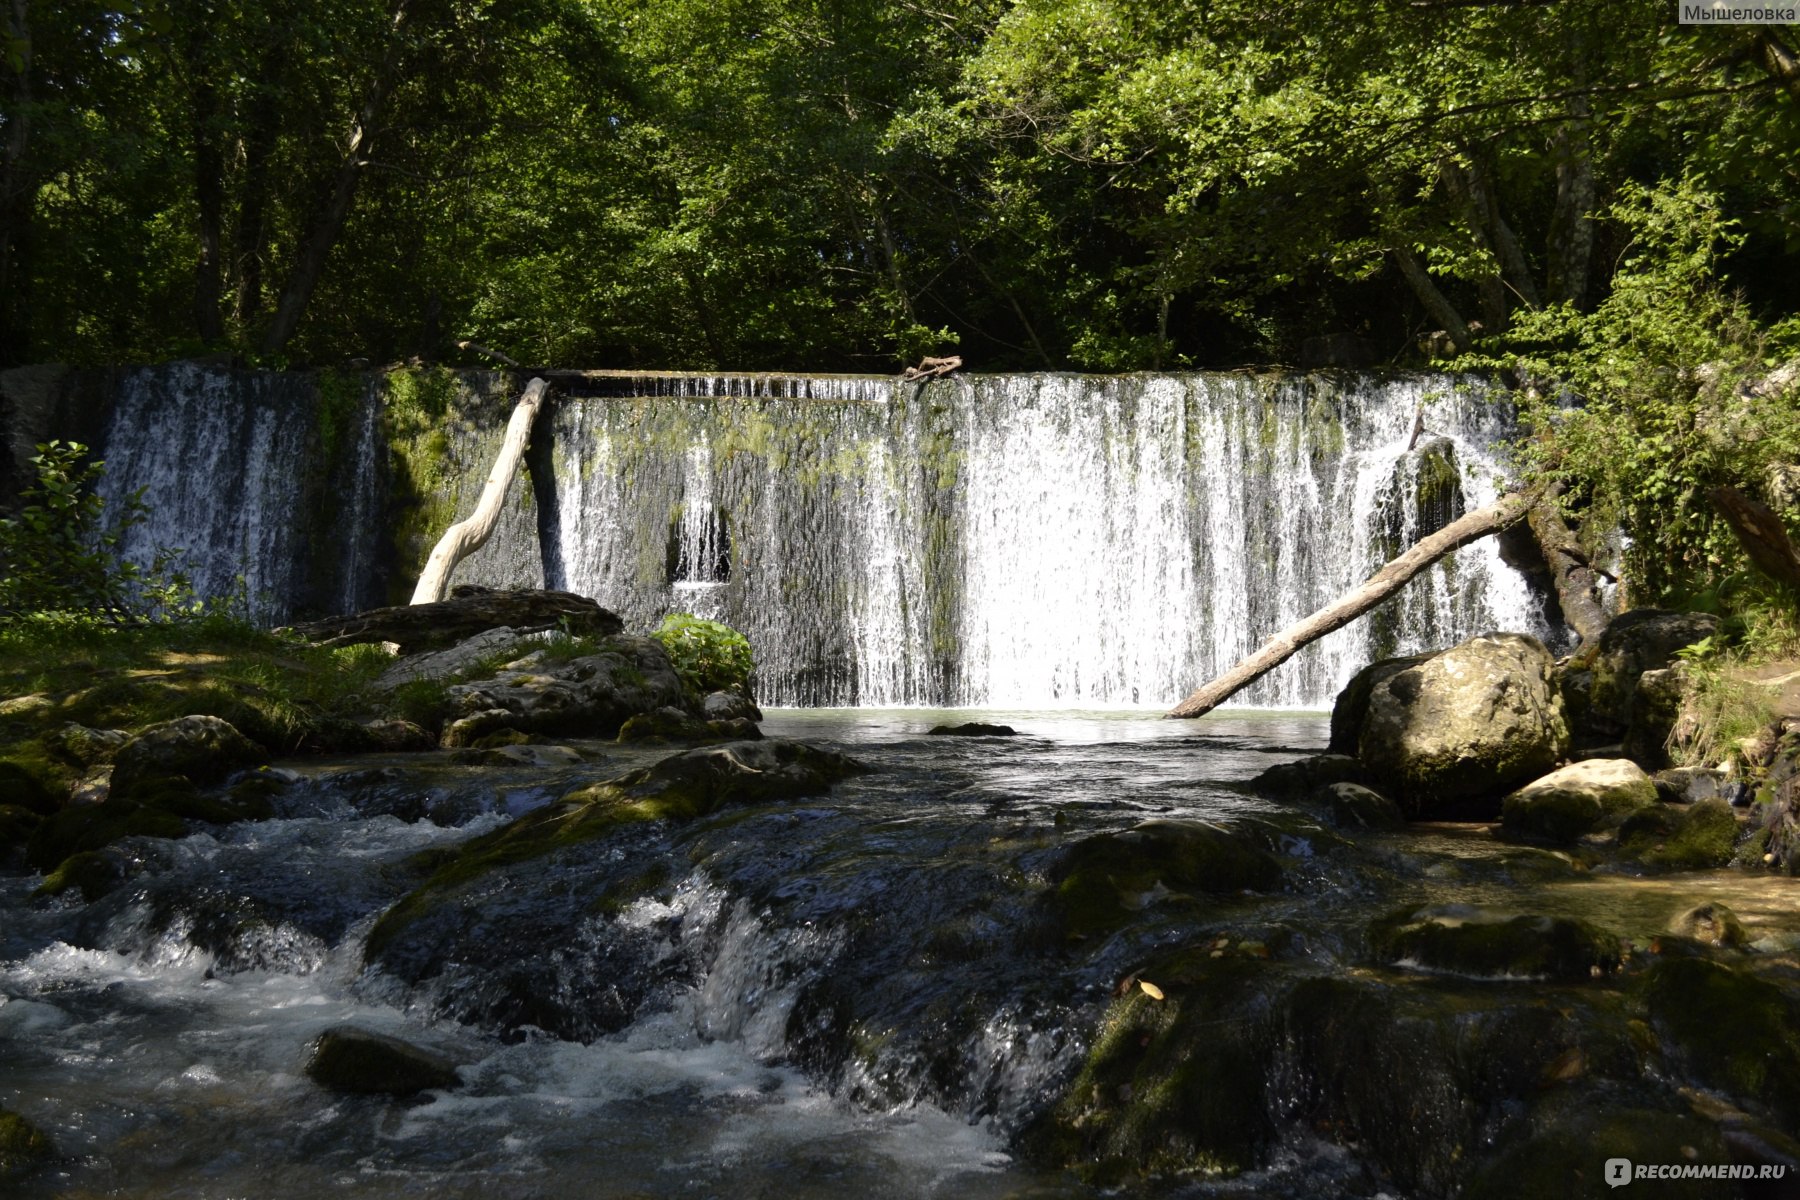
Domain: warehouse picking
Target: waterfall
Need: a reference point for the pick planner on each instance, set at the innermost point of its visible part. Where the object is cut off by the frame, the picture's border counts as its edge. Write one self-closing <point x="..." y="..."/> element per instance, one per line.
<point x="1019" y="541"/>
<point x="1030" y="540"/>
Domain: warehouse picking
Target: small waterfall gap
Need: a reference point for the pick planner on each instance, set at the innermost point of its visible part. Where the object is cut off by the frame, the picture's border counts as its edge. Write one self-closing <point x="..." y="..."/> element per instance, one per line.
<point x="1025" y="541"/>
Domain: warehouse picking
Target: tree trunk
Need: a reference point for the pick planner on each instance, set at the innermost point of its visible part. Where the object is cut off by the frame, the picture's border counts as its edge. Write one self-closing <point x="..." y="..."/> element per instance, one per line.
<point x="1346" y="608"/>
<point x="329" y="223"/>
<point x="1435" y="302"/>
<point x="1571" y="225"/>
<point x="16" y="193"/>
<point x="469" y="611"/>
<point x="467" y="536"/>
<point x="250" y="237"/>
<point x="1774" y="56"/>
<point x="1474" y="200"/>
<point x="1762" y="535"/>
<point x="209" y="189"/>
<point x="1577" y="590"/>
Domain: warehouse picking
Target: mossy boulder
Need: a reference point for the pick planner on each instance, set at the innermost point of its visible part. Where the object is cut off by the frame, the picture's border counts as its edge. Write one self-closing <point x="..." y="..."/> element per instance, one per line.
<point x="87" y="747"/>
<point x="1350" y="711"/>
<point x="1172" y="1086"/>
<point x="1576" y="799"/>
<point x="348" y="1059"/>
<point x="22" y="1144"/>
<point x="682" y="787"/>
<point x="1448" y="736"/>
<point x="1712" y="924"/>
<point x="678" y="725"/>
<point x="1563" y="1146"/>
<point x="1655" y="711"/>
<point x="1482" y="945"/>
<point x="729" y="706"/>
<point x="1644" y="639"/>
<point x="1107" y="879"/>
<point x="1728" y="1029"/>
<point x="589" y="696"/>
<point x="1680" y="837"/>
<point x="202" y="749"/>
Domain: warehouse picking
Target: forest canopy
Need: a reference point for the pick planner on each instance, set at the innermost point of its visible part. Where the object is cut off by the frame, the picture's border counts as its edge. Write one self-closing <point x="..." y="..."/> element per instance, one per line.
<point x="802" y="184"/>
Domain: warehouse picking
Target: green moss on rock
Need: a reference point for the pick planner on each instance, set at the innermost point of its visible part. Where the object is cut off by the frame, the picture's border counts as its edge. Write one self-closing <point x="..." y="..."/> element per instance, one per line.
<point x="1730" y="1030"/>
<point x="1109" y="878"/>
<point x="1675" y="838"/>
<point x="1478" y="945"/>
<point x="22" y="1144"/>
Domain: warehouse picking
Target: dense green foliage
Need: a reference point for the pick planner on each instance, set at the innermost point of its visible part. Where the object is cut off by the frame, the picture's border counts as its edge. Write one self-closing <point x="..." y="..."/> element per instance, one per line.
<point x="708" y="656"/>
<point x="60" y="552"/>
<point x="1103" y="184"/>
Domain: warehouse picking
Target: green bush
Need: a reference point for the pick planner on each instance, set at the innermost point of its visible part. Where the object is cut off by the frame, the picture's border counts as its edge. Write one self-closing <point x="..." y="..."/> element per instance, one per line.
<point x="60" y="554"/>
<point x="708" y="656"/>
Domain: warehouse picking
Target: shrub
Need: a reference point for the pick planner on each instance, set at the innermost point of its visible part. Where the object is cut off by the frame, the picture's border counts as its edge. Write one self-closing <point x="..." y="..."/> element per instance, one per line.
<point x="708" y="656"/>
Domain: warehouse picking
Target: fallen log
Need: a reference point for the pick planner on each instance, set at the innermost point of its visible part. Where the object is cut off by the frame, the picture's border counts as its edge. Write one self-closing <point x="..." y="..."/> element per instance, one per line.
<point x="1577" y="588"/>
<point x="1506" y="511"/>
<point x="471" y="610"/>
<point x="470" y="534"/>
<point x="932" y="368"/>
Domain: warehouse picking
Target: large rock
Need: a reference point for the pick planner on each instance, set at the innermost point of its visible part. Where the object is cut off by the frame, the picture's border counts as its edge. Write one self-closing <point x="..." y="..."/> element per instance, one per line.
<point x="1485" y="945"/>
<point x="446" y="664"/>
<point x="1644" y="639"/>
<point x="1351" y="709"/>
<point x="203" y="749"/>
<point x="590" y="696"/>
<point x="1448" y="734"/>
<point x="1576" y="799"/>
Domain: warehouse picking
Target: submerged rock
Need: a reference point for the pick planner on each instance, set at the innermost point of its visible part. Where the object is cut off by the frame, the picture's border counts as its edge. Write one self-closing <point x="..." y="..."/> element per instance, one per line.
<point x="1711" y="923"/>
<point x="348" y="1059"/>
<point x="677" y="725"/>
<point x="1483" y="945"/>
<point x="1576" y="799"/>
<point x="972" y="729"/>
<point x="22" y="1144"/>
<point x="1448" y="735"/>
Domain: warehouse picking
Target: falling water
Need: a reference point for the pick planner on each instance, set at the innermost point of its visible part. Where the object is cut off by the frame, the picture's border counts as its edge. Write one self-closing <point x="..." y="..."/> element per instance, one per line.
<point x="1030" y="540"/>
<point x="1005" y="540"/>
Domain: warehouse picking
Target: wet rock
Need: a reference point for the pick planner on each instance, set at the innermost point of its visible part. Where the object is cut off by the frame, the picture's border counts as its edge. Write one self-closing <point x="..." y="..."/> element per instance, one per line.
<point x="1576" y="799"/>
<point x="1689" y="785"/>
<point x="1160" y="1091"/>
<point x="1107" y="878"/>
<point x="972" y="729"/>
<point x="522" y="755"/>
<point x="1306" y="775"/>
<point x="1729" y="1030"/>
<point x="203" y="749"/>
<point x="1478" y="944"/>
<point x="1449" y="735"/>
<point x="93" y="873"/>
<point x="1354" y="806"/>
<point x="729" y="706"/>
<point x="590" y="696"/>
<point x="682" y="787"/>
<point x="1644" y="639"/>
<point x="1563" y="1147"/>
<point x="22" y="1145"/>
<point x="677" y="725"/>
<point x="94" y="787"/>
<point x="348" y="1059"/>
<point x="16" y="827"/>
<point x="1712" y="923"/>
<point x="1685" y="838"/>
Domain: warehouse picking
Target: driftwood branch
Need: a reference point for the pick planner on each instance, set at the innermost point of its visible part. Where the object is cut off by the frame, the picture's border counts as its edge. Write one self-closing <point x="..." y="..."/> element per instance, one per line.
<point x="478" y="348"/>
<point x="469" y="535"/>
<point x="1506" y="511"/>
<point x="1761" y="533"/>
<point x="931" y="368"/>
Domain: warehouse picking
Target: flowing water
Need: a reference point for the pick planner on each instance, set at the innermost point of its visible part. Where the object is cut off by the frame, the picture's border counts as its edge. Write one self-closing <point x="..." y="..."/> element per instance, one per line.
<point x="840" y="995"/>
<point x="1007" y="540"/>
